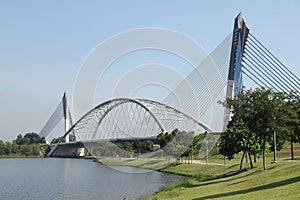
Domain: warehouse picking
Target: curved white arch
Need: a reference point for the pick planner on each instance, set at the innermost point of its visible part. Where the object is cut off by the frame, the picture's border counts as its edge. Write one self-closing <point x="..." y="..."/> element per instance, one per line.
<point x="149" y="106"/>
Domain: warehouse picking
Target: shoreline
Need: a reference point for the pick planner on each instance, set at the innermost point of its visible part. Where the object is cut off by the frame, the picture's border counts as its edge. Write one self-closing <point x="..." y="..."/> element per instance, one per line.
<point x="22" y="157"/>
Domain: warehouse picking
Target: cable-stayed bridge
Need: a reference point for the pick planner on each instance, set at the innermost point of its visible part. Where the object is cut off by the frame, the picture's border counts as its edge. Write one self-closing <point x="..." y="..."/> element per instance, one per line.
<point x="240" y="56"/>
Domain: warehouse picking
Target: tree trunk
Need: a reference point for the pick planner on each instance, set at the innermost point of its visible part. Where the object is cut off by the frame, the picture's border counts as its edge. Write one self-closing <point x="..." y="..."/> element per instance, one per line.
<point x="254" y="158"/>
<point x="264" y="153"/>
<point x="292" y="150"/>
<point x="251" y="164"/>
<point x="241" y="164"/>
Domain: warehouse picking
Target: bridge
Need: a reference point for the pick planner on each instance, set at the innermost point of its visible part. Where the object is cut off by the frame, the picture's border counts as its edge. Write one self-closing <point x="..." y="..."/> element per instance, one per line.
<point x="129" y="119"/>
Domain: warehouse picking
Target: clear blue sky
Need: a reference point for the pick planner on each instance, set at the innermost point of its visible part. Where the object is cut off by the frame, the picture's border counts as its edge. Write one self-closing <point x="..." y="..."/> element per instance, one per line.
<point x="43" y="43"/>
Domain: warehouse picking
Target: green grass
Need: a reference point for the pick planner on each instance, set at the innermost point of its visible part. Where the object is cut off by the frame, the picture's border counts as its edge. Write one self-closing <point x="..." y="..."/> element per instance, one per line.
<point x="200" y="172"/>
<point x="143" y="161"/>
<point x="279" y="181"/>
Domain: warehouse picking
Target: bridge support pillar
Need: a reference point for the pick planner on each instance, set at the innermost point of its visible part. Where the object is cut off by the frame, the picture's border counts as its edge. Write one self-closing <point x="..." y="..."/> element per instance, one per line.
<point x="67" y="116"/>
<point x="235" y="81"/>
<point x="68" y="150"/>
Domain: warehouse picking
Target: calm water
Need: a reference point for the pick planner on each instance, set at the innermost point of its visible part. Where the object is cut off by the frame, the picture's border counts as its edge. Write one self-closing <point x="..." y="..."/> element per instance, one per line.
<point x="55" y="178"/>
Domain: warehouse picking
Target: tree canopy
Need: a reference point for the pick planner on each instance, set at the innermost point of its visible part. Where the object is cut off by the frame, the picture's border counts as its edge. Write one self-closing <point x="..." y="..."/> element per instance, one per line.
<point x="22" y="146"/>
<point x="256" y="115"/>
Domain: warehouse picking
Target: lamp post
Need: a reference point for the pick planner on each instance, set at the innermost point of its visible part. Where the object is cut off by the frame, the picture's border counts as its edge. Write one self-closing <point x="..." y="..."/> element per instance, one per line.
<point x="206" y="146"/>
<point x="275" y="145"/>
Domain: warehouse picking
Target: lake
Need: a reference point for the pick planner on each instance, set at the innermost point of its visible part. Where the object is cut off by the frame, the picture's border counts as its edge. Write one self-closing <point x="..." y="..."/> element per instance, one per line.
<point x="62" y="179"/>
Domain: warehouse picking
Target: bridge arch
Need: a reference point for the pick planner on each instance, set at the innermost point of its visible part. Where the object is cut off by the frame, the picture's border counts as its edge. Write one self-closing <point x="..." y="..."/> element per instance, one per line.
<point x="124" y="118"/>
<point x="127" y="100"/>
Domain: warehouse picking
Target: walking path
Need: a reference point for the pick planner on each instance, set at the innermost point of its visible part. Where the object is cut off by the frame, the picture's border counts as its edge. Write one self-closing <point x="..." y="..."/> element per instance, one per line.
<point x="199" y="162"/>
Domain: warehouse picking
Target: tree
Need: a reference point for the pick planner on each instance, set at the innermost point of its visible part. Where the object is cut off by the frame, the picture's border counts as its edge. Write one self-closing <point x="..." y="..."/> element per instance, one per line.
<point x="2" y="145"/>
<point x="72" y="137"/>
<point x="26" y="149"/>
<point x="184" y="138"/>
<point x="262" y="111"/>
<point x="55" y="140"/>
<point x="33" y="138"/>
<point x="137" y="146"/>
<point x="14" y="147"/>
<point x="20" y="140"/>
<point x="35" y="151"/>
<point x="177" y="143"/>
<point x="127" y="146"/>
<point x="29" y="145"/>
<point x="194" y="147"/>
<point x="293" y="121"/>
<point x="165" y="138"/>
<point x="147" y="146"/>
<point x="7" y="148"/>
<point x="239" y="138"/>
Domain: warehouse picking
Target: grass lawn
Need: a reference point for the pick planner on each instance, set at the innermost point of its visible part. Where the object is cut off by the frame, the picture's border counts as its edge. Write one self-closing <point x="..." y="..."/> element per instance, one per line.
<point x="279" y="181"/>
<point x="149" y="161"/>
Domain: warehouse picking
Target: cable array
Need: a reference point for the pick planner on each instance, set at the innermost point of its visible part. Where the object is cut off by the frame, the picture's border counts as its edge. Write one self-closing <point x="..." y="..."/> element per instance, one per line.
<point x="203" y="86"/>
<point x="265" y="69"/>
<point x="55" y="118"/>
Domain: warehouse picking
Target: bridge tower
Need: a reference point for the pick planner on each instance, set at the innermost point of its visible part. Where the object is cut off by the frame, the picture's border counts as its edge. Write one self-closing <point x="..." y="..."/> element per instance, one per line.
<point x="67" y="115"/>
<point x="235" y="79"/>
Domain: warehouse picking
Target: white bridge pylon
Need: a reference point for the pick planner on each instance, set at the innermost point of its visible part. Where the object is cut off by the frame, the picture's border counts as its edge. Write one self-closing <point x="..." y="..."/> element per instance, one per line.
<point x="62" y="111"/>
<point x="67" y="116"/>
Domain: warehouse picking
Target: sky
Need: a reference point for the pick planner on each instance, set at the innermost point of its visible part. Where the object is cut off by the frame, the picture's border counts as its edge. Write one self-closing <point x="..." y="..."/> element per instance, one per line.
<point x="43" y="44"/>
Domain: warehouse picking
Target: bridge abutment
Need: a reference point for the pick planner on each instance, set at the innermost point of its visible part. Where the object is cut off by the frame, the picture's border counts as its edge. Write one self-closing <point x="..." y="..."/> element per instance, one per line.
<point x="69" y="150"/>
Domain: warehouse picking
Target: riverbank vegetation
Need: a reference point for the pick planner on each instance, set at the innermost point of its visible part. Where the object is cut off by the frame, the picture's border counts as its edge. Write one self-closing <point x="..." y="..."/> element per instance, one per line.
<point x="262" y="119"/>
<point x="168" y="148"/>
<point x="216" y="181"/>
<point x="31" y="145"/>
